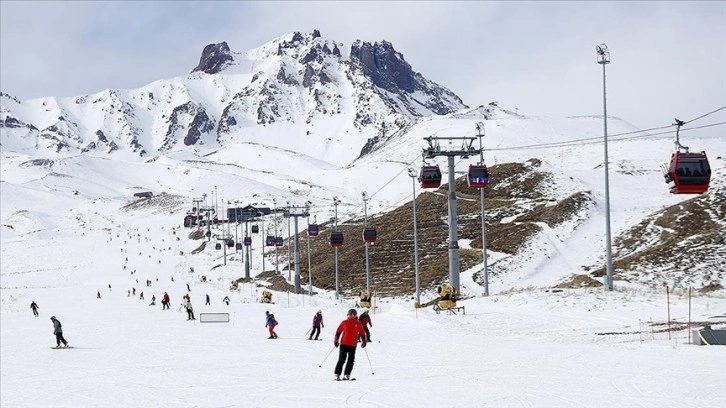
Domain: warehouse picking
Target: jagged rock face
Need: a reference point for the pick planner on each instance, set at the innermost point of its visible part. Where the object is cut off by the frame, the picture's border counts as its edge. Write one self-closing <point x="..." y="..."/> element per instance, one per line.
<point x="189" y="117"/>
<point x="214" y="58"/>
<point x="383" y="65"/>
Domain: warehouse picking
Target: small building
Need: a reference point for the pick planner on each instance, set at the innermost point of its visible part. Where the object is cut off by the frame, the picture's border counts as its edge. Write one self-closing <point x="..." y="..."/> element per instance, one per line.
<point x="144" y="194"/>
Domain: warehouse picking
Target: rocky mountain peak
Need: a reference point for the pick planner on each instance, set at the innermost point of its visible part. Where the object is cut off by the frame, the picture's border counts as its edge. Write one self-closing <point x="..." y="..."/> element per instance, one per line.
<point x="214" y="58"/>
<point x="384" y="65"/>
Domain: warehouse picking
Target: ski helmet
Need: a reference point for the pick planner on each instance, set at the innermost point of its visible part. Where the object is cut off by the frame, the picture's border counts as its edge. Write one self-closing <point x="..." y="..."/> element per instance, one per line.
<point x="52" y="318"/>
<point x="353" y="312"/>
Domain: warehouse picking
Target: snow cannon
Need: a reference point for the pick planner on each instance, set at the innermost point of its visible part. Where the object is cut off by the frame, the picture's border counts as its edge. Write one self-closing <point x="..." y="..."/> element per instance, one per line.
<point x="447" y="298"/>
<point x="365" y="299"/>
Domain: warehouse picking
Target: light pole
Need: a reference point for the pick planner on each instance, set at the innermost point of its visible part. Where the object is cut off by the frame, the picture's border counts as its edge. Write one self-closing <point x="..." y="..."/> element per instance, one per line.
<point x="480" y="134"/>
<point x="274" y="219"/>
<point x="310" y="271"/>
<point x="216" y="212"/>
<point x="289" y="255"/>
<point x="365" y="224"/>
<point x="603" y="58"/>
<point x="412" y="173"/>
<point x="335" y="228"/>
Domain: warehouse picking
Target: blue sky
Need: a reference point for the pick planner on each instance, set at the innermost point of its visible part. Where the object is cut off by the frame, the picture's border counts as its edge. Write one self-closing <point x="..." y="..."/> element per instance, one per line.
<point x="668" y="58"/>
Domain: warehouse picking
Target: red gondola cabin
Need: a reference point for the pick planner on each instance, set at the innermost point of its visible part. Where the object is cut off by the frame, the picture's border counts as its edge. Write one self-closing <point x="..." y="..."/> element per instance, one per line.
<point x="689" y="172"/>
<point x="478" y="176"/>
<point x="336" y="239"/>
<point x="370" y="234"/>
<point x="430" y="177"/>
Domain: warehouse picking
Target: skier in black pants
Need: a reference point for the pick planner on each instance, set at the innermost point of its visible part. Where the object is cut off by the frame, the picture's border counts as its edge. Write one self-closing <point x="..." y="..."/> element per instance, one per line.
<point x="349" y="331"/>
<point x="58" y="331"/>
<point x="34" y="306"/>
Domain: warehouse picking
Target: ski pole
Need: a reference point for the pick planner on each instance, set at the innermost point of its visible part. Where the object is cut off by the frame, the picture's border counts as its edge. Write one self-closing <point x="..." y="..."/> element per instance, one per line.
<point x="369" y="361"/>
<point x="306" y="333"/>
<point x="326" y="357"/>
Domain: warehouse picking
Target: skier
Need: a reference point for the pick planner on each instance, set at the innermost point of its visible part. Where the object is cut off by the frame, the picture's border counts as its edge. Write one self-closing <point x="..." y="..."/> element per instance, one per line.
<point x="270" y="324"/>
<point x="34" y="306"/>
<point x="190" y="311"/>
<point x="98" y="295"/>
<point x="165" y="301"/>
<point x="58" y="331"/>
<point x="207" y="304"/>
<point x="365" y="321"/>
<point x="226" y="300"/>
<point x="349" y="331"/>
<point x="153" y="301"/>
<point x="141" y="296"/>
<point x="317" y="324"/>
<point x="188" y="288"/>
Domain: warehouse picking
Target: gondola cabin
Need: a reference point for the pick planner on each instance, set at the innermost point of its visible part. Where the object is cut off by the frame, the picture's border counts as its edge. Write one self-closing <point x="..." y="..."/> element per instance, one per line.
<point x="279" y="241"/>
<point x="238" y="246"/>
<point x="689" y="172"/>
<point x="218" y="246"/>
<point x="336" y="239"/>
<point x="255" y="229"/>
<point x="313" y="230"/>
<point x="478" y="176"/>
<point x="248" y="241"/>
<point x="230" y="244"/>
<point x="430" y="177"/>
<point x="270" y="240"/>
<point x="370" y="234"/>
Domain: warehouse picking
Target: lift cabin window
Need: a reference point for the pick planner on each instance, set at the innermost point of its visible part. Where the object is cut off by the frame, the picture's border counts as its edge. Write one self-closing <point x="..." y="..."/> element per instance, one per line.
<point x="693" y="170"/>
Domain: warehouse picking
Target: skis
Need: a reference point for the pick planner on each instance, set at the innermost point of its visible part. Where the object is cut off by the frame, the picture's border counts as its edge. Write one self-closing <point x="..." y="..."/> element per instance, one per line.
<point x="62" y="347"/>
<point x="344" y="379"/>
<point x="316" y="339"/>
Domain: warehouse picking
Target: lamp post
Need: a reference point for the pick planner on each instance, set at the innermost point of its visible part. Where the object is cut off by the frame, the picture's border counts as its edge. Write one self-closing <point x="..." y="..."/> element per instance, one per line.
<point x="310" y="271"/>
<point x="274" y="219"/>
<point x="412" y="173"/>
<point x="289" y="255"/>
<point x="480" y="135"/>
<point x="335" y="228"/>
<point x="365" y="224"/>
<point x="603" y="58"/>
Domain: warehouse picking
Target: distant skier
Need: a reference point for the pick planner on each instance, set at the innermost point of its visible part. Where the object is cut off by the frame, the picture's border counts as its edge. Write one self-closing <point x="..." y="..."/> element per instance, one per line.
<point x="58" y="331"/>
<point x="188" y="288"/>
<point x="141" y="296"/>
<point x="34" y="306"/>
<point x="226" y="300"/>
<point x="190" y="310"/>
<point x="270" y="324"/>
<point x="165" y="301"/>
<point x="317" y="324"/>
<point x="153" y="301"/>
<point x="349" y="331"/>
<point x="207" y="303"/>
<point x="98" y="295"/>
<point x="365" y="321"/>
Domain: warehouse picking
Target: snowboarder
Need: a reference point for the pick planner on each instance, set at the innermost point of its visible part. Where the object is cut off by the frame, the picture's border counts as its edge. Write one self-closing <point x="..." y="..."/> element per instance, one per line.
<point x="208" y="304"/>
<point x="98" y="295"/>
<point x="165" y="301"/>
<point x="153" y="301"/>
<point x="270" y="324"/>
<point x="317" y="324"/>
<point x="365" y="321"/>
<point x="190" y="311"/>
<point x="347" y="335"/>
<point x="58" y="331"/>
<point x="34" y="306"/>
<point x="226" y="300"/>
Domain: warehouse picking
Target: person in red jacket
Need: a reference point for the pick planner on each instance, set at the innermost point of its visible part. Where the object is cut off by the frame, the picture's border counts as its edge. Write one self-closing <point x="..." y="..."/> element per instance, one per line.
<point x="347" y="335"/>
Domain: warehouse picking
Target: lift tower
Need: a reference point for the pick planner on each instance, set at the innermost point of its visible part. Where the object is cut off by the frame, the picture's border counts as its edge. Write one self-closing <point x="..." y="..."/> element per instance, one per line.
<point x="464" y="150"/>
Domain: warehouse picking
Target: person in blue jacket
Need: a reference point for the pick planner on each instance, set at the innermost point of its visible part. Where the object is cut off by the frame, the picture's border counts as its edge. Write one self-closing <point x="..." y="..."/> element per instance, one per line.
<point x="270" y="324"/>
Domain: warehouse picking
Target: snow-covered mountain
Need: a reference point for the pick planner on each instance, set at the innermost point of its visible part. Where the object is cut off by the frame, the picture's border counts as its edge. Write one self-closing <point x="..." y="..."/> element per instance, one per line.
<point x="300" y="121"/>
<point x="355" y="96"/>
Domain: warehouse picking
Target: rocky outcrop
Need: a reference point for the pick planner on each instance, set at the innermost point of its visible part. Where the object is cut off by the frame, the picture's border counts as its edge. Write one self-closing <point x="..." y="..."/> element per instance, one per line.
<point x="214" y="58"/>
